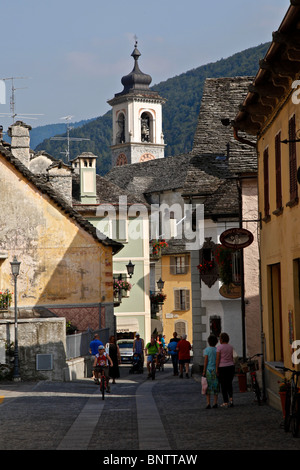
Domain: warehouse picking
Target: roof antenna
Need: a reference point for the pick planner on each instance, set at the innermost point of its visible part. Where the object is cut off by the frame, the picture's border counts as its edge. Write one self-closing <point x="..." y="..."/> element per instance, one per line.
<point x="13" y="113"/>
<point x="68" y="138"/>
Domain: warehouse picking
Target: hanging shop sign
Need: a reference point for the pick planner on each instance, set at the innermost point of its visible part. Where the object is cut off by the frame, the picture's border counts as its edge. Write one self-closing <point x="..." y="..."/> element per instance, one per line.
<point x="230" y="292"/>
<point x="236" y="238"/>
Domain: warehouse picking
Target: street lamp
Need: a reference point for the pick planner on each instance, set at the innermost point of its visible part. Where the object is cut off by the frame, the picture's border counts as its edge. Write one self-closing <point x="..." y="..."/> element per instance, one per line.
<point x="160" y="284"/>
<point x="130" y="269"/>
<point x="15" y="269"/>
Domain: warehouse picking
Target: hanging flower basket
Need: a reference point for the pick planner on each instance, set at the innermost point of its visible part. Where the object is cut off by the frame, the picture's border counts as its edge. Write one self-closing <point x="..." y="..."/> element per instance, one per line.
<point x="5" y="299"/>
<point x="121" y="286"/>
<point x="206" y="266"/>
<point x="158" y="298"/>
<point x="157" y="245"/>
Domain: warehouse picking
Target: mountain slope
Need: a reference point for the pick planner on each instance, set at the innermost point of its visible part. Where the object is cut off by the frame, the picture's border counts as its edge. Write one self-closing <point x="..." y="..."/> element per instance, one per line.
<point x="183" y="94"/>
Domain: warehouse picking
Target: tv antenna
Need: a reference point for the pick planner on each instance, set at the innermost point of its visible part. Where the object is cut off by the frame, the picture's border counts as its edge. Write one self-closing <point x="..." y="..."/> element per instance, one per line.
<point x="68" y="138"/>
<point x="13" y="113"/>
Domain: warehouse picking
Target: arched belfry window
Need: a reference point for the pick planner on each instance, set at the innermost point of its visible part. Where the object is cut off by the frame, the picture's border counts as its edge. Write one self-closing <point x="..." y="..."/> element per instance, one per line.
<point x="146" y="127"/>
<point x="120" y="137"/>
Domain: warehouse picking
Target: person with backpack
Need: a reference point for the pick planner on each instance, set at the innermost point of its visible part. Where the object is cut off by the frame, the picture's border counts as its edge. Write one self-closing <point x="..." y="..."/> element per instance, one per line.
<point x="151" y="350"/>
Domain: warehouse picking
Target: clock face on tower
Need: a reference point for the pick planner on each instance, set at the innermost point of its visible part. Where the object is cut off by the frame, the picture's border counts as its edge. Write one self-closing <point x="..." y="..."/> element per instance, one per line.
<point x="121" y="160"/>
<point x="147" y="156"/>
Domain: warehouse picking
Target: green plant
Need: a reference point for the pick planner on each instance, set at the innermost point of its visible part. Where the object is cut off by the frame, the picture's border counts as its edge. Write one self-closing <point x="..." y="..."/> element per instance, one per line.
<point x="284" y="385"/>
<point x="5" y="299"/>
<point x="158" y="298"/>
<point x="70" y="328"/>
<point x="157" y="245"/>
<point x="205" y="266"/>
<point x="120" y="284"/>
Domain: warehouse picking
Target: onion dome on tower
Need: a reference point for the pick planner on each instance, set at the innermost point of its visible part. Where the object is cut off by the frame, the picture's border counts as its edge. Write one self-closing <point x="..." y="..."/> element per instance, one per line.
<point x="137" y="118"/>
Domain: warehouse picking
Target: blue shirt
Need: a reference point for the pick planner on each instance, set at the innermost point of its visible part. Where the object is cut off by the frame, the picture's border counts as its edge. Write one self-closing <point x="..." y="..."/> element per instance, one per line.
<point x="211" y="353"/>
<point x="94" y="345"/>
<point x="172" y="348"/>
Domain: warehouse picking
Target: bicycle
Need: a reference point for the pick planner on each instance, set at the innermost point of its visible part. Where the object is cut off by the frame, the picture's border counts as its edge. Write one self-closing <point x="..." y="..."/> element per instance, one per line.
<point x="251" y="365"/>
<point x="103" y="383"/>
<point x="292" y="403"/>
<point x="152" y="367"/>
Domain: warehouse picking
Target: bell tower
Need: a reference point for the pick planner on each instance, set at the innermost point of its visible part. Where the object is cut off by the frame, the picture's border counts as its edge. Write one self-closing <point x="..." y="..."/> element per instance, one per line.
<point x="137" y="119"/>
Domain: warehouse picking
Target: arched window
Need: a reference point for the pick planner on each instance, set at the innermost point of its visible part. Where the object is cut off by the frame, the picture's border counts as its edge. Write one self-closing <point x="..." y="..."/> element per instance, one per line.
<point x="146" y="127"/>
<point x="120" y="137"/>
<point x="180" y="328"/>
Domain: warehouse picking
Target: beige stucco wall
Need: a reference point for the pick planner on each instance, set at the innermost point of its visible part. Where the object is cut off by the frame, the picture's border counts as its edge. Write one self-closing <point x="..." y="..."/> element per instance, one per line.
<point x="280" y="236"/>
<point x="61" y="263"/>
<point x="251" y="267"/>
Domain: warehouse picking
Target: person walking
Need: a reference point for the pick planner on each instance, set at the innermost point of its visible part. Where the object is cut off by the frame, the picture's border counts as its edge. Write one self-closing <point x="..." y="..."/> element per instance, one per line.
<point x="138" y="346"/>
<point x="209" y="371"/>
<point x="114" y="354"/>
<point x="93" y="349"/>
<point x="184" y="356"/>
<point x="175" y="338"/>
<point x="225" y="369"/>
<point x="172" y="348"/>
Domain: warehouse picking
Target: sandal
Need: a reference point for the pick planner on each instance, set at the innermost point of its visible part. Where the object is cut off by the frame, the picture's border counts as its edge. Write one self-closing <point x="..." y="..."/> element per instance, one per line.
<point x="224" y="405"/>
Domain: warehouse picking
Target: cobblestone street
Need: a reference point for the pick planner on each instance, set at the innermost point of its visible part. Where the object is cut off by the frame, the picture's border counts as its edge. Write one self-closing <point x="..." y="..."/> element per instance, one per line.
<point x="166" y="414"/>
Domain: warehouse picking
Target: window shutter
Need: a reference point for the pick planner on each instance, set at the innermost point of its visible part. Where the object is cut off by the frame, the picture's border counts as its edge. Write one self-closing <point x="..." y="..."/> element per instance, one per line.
<point x="292" y="159"/>
<point x="187" y="299"/>
<point x="186" y="264"/>
<point x="177" y="299"/>
<point x="278" y="171"/>
<point x="172" y="265"/>
<point x="266" y="183"/>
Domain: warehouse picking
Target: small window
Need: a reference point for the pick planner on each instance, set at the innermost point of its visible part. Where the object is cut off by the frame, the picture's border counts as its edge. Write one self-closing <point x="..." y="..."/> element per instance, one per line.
<point x="179" y="264"/>
<point x="215" y="326"/>
<point x="120" y="138"/>
<point x="181" y="299"/>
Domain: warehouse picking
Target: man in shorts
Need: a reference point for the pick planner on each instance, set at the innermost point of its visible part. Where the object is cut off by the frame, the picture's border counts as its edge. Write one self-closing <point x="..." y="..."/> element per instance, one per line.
<point x="151" y="349"/>
<point x="184" y="356"/>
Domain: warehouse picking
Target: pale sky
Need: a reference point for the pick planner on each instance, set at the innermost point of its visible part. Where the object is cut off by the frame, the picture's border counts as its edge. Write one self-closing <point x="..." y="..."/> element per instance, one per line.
<point x="73" y="54"/>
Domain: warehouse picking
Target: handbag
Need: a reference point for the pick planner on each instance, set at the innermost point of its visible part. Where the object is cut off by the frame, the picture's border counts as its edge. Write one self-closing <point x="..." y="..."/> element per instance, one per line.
<point x="204" y="385"/>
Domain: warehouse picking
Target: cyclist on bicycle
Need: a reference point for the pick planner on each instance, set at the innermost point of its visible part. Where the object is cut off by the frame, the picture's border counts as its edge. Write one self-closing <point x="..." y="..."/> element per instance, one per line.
<point x="101" y="363"/>
<point x="151" y="351"/>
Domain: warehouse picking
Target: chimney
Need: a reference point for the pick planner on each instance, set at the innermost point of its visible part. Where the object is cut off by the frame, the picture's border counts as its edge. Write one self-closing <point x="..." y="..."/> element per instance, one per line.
<point x="60" y="177"/>
<point x="20" y="141"/>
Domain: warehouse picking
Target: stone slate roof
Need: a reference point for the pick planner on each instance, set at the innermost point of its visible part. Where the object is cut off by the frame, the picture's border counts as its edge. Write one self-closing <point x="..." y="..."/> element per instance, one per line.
<point x="161" y="174"/>
<point x="221" y="99"/>
<point x="210" y="168"/>
<point x="107" y="192"/>
<point x="44" y="187"/>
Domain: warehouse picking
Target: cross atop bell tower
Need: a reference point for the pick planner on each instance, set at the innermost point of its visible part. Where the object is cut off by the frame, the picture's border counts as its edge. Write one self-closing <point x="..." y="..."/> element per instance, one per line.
<point x="137" y="118"/>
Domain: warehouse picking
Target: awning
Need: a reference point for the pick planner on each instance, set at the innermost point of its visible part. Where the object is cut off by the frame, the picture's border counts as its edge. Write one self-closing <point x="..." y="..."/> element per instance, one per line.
<point x="127" y="325"/>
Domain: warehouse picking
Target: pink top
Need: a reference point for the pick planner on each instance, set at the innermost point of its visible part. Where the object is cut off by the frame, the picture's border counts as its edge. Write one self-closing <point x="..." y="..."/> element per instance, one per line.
<point x="226" y="355"/>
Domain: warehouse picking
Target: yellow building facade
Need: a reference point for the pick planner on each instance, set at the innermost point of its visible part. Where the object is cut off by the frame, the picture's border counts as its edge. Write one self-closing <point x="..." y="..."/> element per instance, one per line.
<point x="177" y="308"/>
<point x="271" y="112"/>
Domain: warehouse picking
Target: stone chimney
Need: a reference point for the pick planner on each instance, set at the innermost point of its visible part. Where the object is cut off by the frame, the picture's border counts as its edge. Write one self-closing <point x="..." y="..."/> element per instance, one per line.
<point x="60" y="177"/>
<point x="20" y="141"/>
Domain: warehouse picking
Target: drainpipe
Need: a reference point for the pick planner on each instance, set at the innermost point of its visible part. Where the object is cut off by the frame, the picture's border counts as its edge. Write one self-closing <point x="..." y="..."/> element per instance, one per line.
<point x="242" y="139"/>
